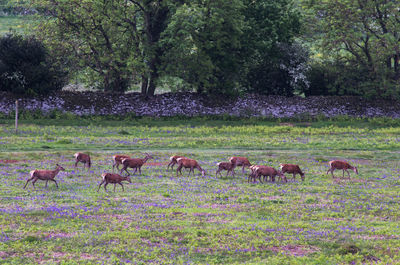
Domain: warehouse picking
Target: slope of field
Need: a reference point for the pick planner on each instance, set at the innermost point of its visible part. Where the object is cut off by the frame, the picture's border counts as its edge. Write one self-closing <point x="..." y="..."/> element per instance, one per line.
<point x="15" y="23"/>
<point x="162" y="218"/>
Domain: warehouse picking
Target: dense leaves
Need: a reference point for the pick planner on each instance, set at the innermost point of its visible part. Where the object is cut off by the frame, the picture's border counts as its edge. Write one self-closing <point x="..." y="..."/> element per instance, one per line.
<point x="361" y="38"/>
<point x="26" y="68"/>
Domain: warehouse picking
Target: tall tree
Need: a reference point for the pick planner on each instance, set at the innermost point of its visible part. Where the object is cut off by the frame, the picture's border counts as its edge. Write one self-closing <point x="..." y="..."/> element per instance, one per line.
<point x="271" y="27"/>
<point x="202" y="42"/>
<point x="364" y="35"/>
<point x="118" y="40"/>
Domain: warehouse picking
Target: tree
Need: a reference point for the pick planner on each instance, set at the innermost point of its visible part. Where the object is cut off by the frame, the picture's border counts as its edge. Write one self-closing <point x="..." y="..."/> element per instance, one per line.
<point x="364" y="35"/>
<point x="87" y="33"/>
<point x="202" y="43"/>
<point x="27" y="68"/>
<point x="118" y="40"/>
<point x="271" y="27"/>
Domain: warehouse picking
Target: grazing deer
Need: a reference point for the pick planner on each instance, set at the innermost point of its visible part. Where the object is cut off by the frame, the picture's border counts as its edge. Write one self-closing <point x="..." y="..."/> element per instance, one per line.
<point x="252" y="175"/>
<point x="135" y="163"/>
<point x="240" y="161"/>
<point x="228" y="166"/>
<point x="44" y="175"/>
<point x="188" y="163"/>
<point x="117" y="160"/>
<point x="337" y="164"/>
<point x="113" y="179"/>
<point x="270" y="172"/>
<point x="82" y="158"/>
<point x="173" y="161"/>
<point x="292" y="169"/>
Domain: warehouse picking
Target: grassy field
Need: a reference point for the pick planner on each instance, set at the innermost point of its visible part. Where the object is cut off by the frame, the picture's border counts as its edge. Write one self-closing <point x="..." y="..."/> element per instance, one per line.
<point x="164" y="219"/>
<point x="17" y="23"/>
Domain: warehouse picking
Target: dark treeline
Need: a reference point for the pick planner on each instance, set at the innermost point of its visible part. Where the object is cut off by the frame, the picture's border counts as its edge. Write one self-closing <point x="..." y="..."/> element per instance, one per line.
<point x="215" y="47"/>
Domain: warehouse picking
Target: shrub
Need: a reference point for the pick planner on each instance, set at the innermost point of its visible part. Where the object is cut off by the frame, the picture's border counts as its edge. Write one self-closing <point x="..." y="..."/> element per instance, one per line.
<point x="26" y="67"/>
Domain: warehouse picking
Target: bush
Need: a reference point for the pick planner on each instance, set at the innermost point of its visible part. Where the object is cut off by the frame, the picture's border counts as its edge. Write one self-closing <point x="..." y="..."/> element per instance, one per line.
<point x="26" y="67"/>
<point x="337" y="78"/>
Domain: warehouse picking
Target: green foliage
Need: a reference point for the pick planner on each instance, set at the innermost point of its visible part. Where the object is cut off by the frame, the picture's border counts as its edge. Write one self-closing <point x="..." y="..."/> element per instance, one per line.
<point x="203" y="41"/>
<point x="360" y="40"/>
<point x="271" y="62"/>
<point x="26" y="67"/>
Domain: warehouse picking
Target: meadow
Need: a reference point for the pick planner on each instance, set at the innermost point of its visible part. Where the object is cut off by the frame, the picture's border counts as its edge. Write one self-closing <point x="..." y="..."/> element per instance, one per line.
<point x="18" y="24"/>
<point x="165" y="219"/>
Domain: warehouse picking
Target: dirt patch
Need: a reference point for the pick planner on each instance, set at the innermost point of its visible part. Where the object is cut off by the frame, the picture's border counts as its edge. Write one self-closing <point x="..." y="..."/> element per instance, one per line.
<point x="10" y="161"/>
<point x="295" y="250"/>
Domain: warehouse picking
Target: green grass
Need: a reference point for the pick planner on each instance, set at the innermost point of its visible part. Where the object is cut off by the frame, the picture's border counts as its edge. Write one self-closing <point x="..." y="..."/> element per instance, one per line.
<point x="16" y="23"/>
<point x="164" y="219"/>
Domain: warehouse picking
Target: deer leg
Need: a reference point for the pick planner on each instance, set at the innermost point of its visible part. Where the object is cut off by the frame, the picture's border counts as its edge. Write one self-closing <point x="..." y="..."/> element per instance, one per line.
<point x="27" y="182"/>
<point x="343" y="172"/>
<point x="46" y="183"/>
<point x="55" y="182"/>
<point x="170" y="164"/>
<point x="216" y="173"/>
<point x="33" y="182"/>
<point x="100" y="185"/>
<point x="122" y="186"/>
<point x="348" y="173"/>
<point x="105" y="186"/>
<point x="243" y="169"/>
<point x="179" y="169"/>
<point x="140" y="170"/>
<point x="76" y="164"/>
<point x="332" y="169"/>
<point x="114" y="186"/>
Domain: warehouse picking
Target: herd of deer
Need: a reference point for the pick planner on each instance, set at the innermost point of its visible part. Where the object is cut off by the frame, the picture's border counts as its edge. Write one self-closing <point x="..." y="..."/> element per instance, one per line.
<point x="257" y="171"/>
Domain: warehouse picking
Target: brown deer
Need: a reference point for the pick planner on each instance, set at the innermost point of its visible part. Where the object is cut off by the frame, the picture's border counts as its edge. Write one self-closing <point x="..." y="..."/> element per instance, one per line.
<point x="82" y="158"/>
<point x="188" y="163"/>
<point x="292" y="169"/>
<point x="253" y="175"/>
<point x="228" y="166"/>
<point x="135" y="163"/>
<point x="173" y="161"/>
<point x="117" y="160"/>
<point x="270" y="172"/>
<point x="44" y="175"/>
<point x="240" y="161"/>
<point x="113" y="179"/>
<point x="337" y="164"/>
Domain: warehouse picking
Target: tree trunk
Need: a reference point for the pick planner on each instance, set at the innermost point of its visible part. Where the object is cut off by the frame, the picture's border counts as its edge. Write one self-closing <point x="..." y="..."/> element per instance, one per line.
<point x="145" y="82"/>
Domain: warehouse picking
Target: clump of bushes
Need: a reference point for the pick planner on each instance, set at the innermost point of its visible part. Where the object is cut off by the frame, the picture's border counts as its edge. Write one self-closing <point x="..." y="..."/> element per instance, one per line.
<point x="26" y="68"/>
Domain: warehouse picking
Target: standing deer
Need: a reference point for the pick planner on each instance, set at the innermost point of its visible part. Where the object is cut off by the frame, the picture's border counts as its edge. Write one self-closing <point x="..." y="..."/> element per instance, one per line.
<point x="292" y="169"/>
<point x="135" y="163"/>
<point x="270" y="172"/>
<point x="337" y="164"/>
<point x="114" y="179"/>
<point x="117" y="160"/>
<point x="44" y="175"/>
<point x="188" y="163"/>
<point x="240" y="161"/>
<point x="173" y="161"/>
<point x="228" y="166"/>
<point x="82" y="158"/>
